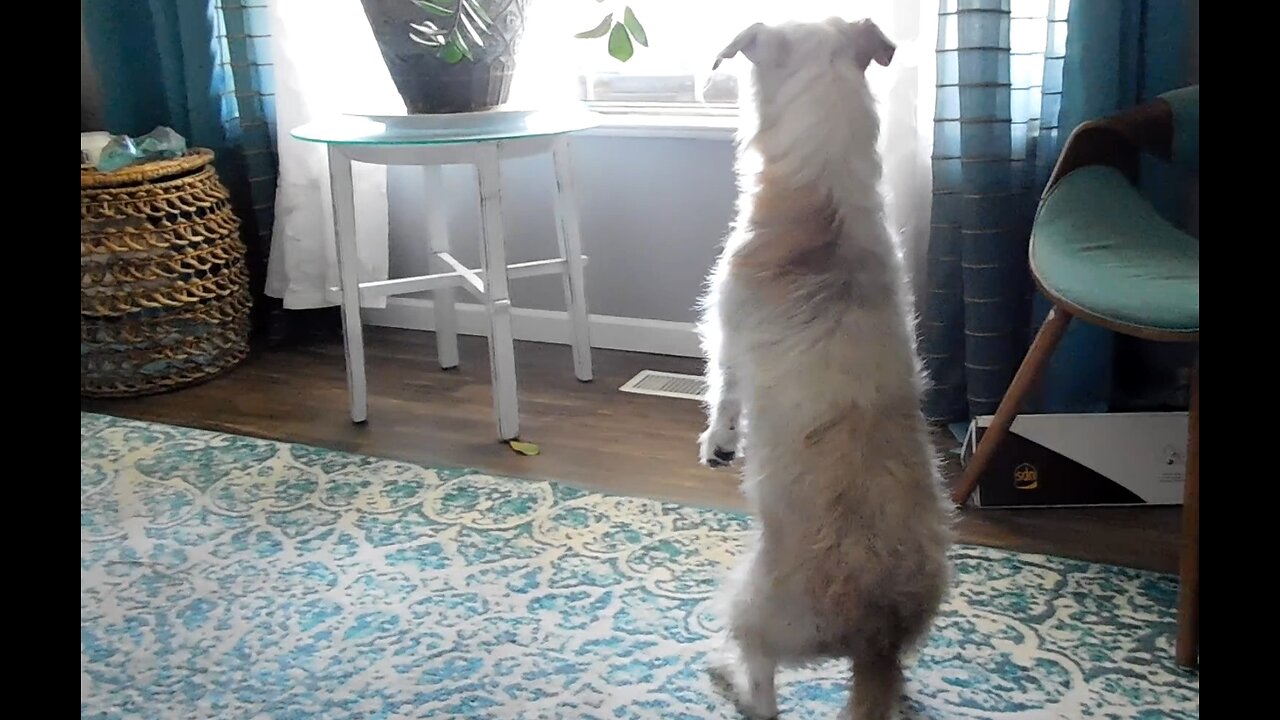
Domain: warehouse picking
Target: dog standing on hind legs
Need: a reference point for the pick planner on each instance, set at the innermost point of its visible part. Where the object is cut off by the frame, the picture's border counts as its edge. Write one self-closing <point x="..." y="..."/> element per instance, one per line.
<point x="808" y="330"/>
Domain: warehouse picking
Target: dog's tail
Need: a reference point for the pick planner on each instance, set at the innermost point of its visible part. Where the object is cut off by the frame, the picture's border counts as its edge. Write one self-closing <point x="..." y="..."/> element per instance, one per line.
<point x="877" y="658"/>
<point x="877" y="686"/>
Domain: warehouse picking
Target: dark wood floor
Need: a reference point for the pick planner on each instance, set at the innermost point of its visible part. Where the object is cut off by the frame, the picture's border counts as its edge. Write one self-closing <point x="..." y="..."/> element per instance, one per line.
<point x="590" y="434"/>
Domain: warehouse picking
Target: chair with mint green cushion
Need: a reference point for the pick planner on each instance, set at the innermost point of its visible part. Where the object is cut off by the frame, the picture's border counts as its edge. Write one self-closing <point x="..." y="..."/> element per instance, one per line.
<point x="1099" y="248"/>
<point x="1101" y="253"/>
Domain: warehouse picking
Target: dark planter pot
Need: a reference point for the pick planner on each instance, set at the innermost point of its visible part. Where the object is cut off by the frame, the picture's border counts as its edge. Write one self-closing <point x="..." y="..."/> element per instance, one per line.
<point x="431" y="86"/>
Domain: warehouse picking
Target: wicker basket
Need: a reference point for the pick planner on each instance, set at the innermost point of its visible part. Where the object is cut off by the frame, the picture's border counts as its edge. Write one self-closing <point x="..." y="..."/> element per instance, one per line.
<point x="164" y="290"/>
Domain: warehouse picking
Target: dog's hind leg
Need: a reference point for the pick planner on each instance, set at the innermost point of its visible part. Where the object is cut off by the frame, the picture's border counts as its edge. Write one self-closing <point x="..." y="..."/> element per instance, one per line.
<point x="761" y="633"/>
<point x="748" y="676"/>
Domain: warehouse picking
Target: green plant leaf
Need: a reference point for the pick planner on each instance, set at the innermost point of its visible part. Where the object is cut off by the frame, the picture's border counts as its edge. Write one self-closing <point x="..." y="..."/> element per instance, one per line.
<point x="451" y="53"/>
<point x="599" y="30"/>
<point x="477" y="11"/>
<point x="461" y="42"/>
<point x="433" y="8"/>
<point x="634" y="27"/>
<point x="471" y="30"/>
<point x="429" y="41"/>
<point x="620" y="45"/>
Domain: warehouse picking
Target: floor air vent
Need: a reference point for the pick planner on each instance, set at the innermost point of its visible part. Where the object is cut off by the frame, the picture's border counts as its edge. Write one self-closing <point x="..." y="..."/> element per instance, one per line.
<point x="666" y="384"/>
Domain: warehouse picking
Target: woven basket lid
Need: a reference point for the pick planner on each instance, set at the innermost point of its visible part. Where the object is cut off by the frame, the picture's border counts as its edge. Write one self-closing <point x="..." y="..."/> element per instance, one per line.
<point x="194" y="159"/>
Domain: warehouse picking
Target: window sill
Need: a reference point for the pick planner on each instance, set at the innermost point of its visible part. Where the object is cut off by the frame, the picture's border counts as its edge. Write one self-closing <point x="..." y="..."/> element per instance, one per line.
<point x="657" y="126"/>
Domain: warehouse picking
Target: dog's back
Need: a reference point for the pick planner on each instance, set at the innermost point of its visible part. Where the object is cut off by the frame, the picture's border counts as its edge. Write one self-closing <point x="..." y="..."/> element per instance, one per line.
<point x="809" y="335"/>
<point x="839" y="468"/>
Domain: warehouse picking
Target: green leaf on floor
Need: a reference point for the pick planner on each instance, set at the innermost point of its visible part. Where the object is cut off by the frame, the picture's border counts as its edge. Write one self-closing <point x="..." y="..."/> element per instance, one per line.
<point x="524" y="448"/>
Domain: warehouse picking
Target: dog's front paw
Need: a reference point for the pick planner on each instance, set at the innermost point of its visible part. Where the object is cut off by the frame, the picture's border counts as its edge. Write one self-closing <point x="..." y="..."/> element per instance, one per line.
<point x="717" y="448"/>
<point x="717" y="458"/>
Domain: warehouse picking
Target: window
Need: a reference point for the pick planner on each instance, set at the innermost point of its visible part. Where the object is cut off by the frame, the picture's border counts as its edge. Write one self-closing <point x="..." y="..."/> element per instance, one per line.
<point x="673" y="75"/>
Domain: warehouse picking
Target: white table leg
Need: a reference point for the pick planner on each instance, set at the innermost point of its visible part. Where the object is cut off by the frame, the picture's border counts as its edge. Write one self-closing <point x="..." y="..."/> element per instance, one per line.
<point x="493" y="260"/>
<point x="570" y="235"/>
<point x="438" y="241"/>
<point x="344" y="229"/>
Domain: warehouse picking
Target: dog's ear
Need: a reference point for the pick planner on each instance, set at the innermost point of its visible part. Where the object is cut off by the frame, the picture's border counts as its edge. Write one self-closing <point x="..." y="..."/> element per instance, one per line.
<point x="870" y="43"/>
<point x="755" y="42"/>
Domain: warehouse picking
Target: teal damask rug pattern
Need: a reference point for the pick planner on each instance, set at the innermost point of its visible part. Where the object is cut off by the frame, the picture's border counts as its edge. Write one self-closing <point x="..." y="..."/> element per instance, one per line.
<point x="228" y="577"/>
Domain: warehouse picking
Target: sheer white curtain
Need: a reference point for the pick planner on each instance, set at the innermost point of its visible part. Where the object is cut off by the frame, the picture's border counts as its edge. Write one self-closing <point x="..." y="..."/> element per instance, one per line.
<point x="906" y="91"/>
<point x="327" y="62"/>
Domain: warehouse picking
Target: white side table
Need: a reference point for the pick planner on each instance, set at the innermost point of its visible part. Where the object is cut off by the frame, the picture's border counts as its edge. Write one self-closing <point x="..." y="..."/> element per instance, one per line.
<point x="483" y="140"/>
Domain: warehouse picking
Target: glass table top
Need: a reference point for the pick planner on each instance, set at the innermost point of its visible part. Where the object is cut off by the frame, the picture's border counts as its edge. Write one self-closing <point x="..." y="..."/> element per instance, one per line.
<point x="457" y="128"/>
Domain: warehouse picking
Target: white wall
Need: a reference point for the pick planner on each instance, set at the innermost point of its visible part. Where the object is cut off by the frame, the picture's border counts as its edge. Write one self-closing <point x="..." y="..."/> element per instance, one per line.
<point x="653" y="210"/>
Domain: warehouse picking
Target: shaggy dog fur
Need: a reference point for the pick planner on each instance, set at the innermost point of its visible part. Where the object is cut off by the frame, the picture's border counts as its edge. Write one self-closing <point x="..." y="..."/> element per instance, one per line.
<point x="814" y="377"/>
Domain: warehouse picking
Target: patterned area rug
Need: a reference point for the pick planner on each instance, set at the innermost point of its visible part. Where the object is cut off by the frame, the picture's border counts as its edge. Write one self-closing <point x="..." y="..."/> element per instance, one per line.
<point x="227" y="577"/>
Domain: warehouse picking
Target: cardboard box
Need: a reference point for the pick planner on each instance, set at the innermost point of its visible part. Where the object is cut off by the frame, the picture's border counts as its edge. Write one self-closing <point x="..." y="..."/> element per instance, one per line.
<point x="1094" y="459"/>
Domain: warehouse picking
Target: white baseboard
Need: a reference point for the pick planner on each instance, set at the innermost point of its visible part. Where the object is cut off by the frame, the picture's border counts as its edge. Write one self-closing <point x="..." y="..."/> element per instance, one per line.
<point x="661" y="337"/>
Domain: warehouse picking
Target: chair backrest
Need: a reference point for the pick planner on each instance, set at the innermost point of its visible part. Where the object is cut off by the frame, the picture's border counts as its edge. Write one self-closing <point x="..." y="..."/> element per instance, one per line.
<point x="1185" y="103"/>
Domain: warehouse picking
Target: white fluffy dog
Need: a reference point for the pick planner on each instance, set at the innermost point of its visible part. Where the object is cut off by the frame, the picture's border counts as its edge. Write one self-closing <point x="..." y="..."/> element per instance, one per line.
<point x="808" y="331"/>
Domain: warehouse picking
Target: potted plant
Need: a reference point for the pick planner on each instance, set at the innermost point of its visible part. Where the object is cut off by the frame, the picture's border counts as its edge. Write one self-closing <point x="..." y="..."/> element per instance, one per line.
<point x="451" y="56"/>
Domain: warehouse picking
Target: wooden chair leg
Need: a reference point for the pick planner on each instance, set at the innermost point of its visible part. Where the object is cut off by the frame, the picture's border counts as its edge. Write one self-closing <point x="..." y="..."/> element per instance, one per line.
<point x="1188" y="647"/>
<point x="1055" y="324"/>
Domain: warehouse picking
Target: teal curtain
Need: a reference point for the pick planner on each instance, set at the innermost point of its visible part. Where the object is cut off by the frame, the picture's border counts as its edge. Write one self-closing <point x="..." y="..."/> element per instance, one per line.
<point x="1014" y="77"/>
<point x="1121" y="53"/>
<point x="999" y="70"/>
<point x="201" y="67"/>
